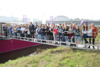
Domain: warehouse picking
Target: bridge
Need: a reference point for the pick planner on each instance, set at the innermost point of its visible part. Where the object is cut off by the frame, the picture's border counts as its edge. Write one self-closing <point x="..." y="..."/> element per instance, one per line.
<point x="55" y="43"/>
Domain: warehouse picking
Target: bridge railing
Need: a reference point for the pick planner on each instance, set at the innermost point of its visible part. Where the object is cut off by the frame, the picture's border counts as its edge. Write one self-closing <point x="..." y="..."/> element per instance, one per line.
<point x="57" y="43"/>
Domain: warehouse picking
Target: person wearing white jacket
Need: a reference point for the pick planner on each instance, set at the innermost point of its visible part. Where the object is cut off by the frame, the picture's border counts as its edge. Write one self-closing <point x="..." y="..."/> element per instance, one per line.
<point x="23" y="31"/>
<point x="89" y="33"/>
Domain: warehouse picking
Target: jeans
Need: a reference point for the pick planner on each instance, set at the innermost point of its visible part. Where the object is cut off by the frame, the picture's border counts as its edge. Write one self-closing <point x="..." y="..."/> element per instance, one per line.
<point x="45" y="37"/>
<point x="89" y="39"/>
<point x="42" y="36"/>
<point x="25" y="34"/>
<point x="18" y="34"/>
<point x="48" y="37"/>
<point x="93" y="42"/>
<point x="22" y="34"/>
<point x="11" y="33"/>
<point x="38" y="36"/>
<point x="85" y="36"/>
<point x="77" y="38"/>
<point x="66" y="38"/>
<point x="31" y="34"/>
<point x="55" y="37"/>
<point x="51" y="37"/>
<point x="71" y="40"/>
<point x="60" y="36"/>
<point x="6" y="33"/>
<point x="63" y="37"/>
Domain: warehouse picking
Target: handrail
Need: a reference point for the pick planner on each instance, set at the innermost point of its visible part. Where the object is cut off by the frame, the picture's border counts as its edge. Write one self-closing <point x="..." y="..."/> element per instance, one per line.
<point x="57" y="43"/>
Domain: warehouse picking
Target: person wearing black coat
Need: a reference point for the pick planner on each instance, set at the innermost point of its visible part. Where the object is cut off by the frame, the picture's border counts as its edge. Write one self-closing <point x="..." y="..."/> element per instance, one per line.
<point x="6" y="30"/>
<point x="31" y="29"/>
<point x="65" y="30"/>
<point x="46" y="33"/>
<point x="50" y="33"/>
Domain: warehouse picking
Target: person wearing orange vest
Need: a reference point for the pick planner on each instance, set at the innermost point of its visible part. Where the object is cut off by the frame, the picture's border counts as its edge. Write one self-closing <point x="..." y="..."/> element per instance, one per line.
<point x="94" y="32"/>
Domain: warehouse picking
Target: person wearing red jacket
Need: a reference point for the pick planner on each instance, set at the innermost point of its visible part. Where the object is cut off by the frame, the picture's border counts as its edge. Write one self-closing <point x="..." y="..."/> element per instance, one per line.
<point x="94" y="32"/>
<point x="55" y="32"/>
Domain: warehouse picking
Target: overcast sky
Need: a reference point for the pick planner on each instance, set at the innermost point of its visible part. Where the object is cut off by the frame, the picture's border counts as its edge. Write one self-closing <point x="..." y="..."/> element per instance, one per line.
<point x="88" y="9"/>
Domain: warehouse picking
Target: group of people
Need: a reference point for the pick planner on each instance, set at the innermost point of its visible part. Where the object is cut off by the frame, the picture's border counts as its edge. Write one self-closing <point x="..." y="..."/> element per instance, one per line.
<point x="62" y="32"/>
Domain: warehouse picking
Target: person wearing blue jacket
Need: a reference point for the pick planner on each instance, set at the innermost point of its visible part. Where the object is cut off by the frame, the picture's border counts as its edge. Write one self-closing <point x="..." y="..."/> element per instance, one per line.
<point x="11" y="30"/>
<point x="42" y="32"/>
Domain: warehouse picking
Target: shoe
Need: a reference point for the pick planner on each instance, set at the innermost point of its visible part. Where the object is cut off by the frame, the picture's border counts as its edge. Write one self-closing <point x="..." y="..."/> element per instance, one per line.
<point x="93" y="47"/>
<point x="89" y="47"/>
<point x="84" y="46"/>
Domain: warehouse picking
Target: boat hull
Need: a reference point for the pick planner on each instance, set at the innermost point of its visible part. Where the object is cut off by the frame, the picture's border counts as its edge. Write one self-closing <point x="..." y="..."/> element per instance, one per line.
<point x="14" y="44"/>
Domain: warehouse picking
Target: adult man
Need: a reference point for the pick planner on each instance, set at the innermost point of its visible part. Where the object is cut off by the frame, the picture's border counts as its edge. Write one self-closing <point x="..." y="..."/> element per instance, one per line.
<point x="36" y="25"/>
<point x="31" y="29"/>
<point x="94" y="32"/>
<point x="6" y="30"/>
<point x="48" y="26"/>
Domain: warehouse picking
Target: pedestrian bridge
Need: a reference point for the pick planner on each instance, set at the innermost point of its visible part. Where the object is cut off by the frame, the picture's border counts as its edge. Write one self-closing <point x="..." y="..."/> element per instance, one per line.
<point x="55" y="43"/>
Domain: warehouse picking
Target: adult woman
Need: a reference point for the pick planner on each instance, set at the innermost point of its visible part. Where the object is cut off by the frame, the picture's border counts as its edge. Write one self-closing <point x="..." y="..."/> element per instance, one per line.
<point x="46" y="33"/>
<point x="55" y="32"/>
<point x="71" y="33"/>
<point x="15" y="30"/>
<point x="51" y="33"/>
<point x="42" y="31"/>
<point x="37" y="29"/>
<point x="94" y="33"/>
<point x="60" y="32"/>
<point x="38" y="35"/>
<point x="65" y="24"/>
<point x="26" y="31"/>
<point x="65" y="32"/>
<point x="23" y="31"/>
<point x="89" y="33"/>
<point x="84" y="33"/>
<point x="77" y="32"/>
<point x="73" y="26"/>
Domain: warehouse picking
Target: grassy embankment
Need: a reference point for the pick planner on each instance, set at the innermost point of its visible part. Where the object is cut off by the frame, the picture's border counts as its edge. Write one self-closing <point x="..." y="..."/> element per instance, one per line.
<point x="59" y="57"/>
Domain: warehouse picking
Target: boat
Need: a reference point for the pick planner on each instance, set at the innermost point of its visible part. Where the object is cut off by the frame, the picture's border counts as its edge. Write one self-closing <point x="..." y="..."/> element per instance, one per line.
<point x="11" y="49"/>
<point x="7" y="45"/>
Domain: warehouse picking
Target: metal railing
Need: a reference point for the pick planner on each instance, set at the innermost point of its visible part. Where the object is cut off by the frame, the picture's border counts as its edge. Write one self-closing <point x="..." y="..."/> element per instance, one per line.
<point x="57" y="43"/>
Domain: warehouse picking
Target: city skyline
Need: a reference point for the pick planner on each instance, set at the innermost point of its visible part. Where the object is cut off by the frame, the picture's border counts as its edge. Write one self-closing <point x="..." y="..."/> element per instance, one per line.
<point x="26" y="19"/>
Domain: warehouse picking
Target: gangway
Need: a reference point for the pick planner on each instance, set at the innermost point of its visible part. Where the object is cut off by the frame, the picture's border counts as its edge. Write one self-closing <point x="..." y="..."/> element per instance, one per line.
<point x="57" y="43"/>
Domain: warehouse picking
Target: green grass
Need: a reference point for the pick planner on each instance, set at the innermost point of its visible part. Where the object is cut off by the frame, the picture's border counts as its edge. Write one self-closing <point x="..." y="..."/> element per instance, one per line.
<point x="58" y="57"/>
<point x="98" y="38"/>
